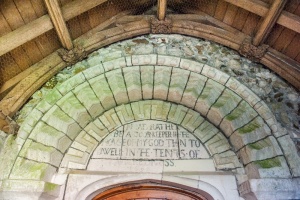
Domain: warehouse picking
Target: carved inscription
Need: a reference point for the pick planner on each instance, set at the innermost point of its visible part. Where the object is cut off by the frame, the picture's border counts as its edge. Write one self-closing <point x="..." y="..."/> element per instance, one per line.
<point x="150" y="140"/>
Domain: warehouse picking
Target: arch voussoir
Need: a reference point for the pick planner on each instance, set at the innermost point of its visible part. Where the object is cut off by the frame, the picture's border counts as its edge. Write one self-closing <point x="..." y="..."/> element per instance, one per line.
<point x="222" y="113"/>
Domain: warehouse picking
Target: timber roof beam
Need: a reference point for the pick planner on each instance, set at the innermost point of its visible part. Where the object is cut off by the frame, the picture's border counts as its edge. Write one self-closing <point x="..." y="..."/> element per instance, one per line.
<point x="59" y="23"/>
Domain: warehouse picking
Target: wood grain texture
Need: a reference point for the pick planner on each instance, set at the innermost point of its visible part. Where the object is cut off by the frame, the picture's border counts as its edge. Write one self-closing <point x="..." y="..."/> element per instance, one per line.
<point x="220" y="10"/>
<point x="161" y="9"/>
<point x="59" y="23"/>
<point x="230" y="14"/>
<point x="268" y="22"/>
<point x="240" y="19"/>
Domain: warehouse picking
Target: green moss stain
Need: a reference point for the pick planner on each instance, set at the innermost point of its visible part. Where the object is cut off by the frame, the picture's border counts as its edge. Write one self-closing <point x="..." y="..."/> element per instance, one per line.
<point x="269" y="163"/>
<point x="260" y="144"/>
<point x="236" y="113"/>
<point x="249" y="128"/>
<point x="50" y="187"/>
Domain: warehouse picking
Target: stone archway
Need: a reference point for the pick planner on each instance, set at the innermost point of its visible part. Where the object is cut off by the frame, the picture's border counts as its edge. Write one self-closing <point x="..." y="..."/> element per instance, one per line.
<point x="63" y="130"/>
<point x="150" y="191"/>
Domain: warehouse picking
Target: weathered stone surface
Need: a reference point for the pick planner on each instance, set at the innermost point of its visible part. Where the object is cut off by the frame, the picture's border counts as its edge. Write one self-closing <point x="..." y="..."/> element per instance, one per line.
<point x="264" y="111"/>
<point x="28" y="189"/>
<point x="178" y="82"/>
<point x="243" y="91"/>
<point x="50" y="136"/>
<point x="114" y="64"/>
<point x="125" y="113"/>
<point x="110" y="120"/>
<point x="192" y="120"/>
<point x="93" y="71"/>
<point x="75" y="159"/>
<point x="161" y="82"/>
<point x="160" y="110"/>
<point x="275" y="188"/>
<point x="71" y="83"/>
<point x="103" y="92"/>
<point x="61" y="121"/>
<point x="193" y="89"/>
<point x="215" y="74"/>
<point x="41" y="153"/>
<point x="147" y="78"/>
<point x="96" y="129"/>
<point x="168" y="61"/>
<point x="250" y="133"/>
<point x="191" y="65"/>
<point x="50" y="99"/>
<point x="209" y="95"/>
<point x="177" y="113"/>
<point x="150" y="59"/>
<point x="269" y="168"/>
<point x="218" y="144"/>
<point x="290" y="152"/>
<point x="8" y="156"/>
<point x="206" y="131"/>
<point x="224" y="105"/>
<point x="94" y="60"/>
<point x="226" y="161"/>
<point x="141" y="110"/>
<point x="132" y="79"/>
<point x="117" y="85"/>
<point x="34" y="170"/>
<point x="36" y="115"/>
<point x="85" y="94"/>
<point x="71" y="105"/>
<point x="261" y="150"/>
<point x="240" y="116"/>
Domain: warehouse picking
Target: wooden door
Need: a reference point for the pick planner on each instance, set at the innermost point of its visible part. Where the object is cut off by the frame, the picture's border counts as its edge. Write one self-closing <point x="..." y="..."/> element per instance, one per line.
<point x="148" y="192"/>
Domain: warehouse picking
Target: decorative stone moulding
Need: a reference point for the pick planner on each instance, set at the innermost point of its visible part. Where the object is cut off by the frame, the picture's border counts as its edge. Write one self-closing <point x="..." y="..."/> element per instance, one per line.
<point x="161" y="26"/>
<point x="254" y="53"/>
<point x="235" y="126"/>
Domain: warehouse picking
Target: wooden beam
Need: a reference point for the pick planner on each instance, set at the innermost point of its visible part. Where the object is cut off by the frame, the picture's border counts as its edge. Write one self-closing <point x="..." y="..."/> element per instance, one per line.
<point x="286" y="19"/>
<point x="59" y="23"/>
<point x="43" y="24"/>
<point x="77" y="7"/>
<point x="24" y="34"/>
<point x="161" y="9"/>
<point x="16" y="79"/>
<point x="268" y="22"/>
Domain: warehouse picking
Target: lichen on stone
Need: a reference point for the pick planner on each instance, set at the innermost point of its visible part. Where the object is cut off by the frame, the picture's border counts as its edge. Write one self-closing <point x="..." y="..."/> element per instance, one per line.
<point x="269" y="163"/>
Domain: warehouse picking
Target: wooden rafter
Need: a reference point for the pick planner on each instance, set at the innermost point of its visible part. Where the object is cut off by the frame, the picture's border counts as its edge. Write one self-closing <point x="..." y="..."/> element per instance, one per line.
<point x="161" y="9"/>
<point x="59" y="23"/>
<point x="286" y="19"/>
<point x="43" y="24"/>
<point x="268" y="22"/>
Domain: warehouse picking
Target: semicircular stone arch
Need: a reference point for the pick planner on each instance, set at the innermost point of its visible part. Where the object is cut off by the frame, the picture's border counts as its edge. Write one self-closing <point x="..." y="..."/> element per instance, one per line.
<point x="79" y="113"/>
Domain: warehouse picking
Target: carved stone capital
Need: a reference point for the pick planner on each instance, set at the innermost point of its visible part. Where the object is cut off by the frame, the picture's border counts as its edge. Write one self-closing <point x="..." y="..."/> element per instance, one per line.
<point x="161" y="26"/>
<point x="254" y="53"/>
<point x="72" y="56"/>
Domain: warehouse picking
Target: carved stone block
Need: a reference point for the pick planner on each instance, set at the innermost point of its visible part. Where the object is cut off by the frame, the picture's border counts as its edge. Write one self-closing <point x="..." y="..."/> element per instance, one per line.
<point x="161" y="26"/>
<point x="254" y="53"/>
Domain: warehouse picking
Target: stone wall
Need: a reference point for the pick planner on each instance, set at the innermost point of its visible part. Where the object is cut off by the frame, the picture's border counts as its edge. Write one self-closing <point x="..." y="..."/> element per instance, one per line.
<point x="172" y="79"/>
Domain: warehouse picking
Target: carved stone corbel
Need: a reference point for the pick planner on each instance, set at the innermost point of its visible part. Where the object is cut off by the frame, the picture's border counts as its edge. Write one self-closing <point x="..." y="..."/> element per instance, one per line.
<point x="72" y="56"/>
<point x="8" y="125"/>
<point x="254" y="53"/>
<point x="161" y="26"/>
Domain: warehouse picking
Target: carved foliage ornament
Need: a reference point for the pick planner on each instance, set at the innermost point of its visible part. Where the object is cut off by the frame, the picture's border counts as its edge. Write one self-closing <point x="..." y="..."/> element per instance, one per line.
<point x="72" y="56"/>
<point x="161" y="26"/>
<point x="254" y="53"/>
